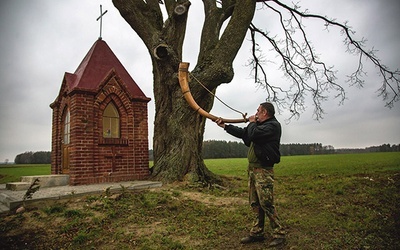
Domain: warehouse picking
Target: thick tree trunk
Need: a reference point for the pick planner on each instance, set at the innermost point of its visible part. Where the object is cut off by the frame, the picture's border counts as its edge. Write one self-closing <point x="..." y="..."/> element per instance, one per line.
<point x="178" y="130"/>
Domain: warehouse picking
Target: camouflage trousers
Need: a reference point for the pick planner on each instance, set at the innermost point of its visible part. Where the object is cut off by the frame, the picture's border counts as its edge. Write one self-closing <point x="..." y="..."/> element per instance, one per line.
<point x="261" y="198"/>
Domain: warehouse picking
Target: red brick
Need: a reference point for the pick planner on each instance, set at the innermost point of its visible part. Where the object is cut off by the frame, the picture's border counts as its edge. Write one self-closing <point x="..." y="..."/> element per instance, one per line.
<point x="89" y="157"/>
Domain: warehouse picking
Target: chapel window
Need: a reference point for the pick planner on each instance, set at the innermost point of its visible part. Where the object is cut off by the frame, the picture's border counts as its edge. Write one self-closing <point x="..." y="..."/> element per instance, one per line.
<point x="111" y="122"/>
<point x="67" y="128"/>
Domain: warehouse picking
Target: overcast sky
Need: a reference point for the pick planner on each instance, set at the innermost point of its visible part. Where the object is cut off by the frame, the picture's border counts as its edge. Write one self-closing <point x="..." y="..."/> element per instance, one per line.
<point x="40" y="40"/>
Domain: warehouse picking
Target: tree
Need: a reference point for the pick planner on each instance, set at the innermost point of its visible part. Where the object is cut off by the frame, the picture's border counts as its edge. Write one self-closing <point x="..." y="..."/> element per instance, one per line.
<point x="178" y="130"/>
<point x="223" y="149"/>
<point x="24" y="158"/>
<point x="302" y="66"/>
<point x="40" y="157"/>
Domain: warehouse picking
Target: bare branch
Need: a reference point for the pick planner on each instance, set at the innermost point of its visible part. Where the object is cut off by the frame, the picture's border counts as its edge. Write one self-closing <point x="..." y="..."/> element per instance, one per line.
<point x="302" y="66"/>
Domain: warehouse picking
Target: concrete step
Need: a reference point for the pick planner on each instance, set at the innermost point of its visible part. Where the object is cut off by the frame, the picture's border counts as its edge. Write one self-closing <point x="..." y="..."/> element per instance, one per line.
<point x="44" y="181"/>
<point x="3" y="208"/>
<point x="11" y="200"/>
<point x="17" y="186"/>
<point x="5" y="201"/>
<point x="52" y="180"/>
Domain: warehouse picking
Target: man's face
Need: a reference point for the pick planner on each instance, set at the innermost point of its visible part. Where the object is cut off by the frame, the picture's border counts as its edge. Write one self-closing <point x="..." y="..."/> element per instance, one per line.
<point x="261" y="114"/>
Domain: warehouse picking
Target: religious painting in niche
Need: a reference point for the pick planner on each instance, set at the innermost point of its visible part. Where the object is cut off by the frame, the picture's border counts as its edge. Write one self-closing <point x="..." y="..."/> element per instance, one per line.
<point x="111" y="122"/>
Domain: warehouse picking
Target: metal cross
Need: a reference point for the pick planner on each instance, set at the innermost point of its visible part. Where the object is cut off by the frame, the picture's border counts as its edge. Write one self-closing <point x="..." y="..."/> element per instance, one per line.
<point x="101" y="19"/>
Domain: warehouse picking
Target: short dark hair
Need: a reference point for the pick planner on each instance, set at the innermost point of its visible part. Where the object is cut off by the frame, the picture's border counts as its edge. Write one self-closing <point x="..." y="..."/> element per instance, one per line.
<point x="269" y="108"/>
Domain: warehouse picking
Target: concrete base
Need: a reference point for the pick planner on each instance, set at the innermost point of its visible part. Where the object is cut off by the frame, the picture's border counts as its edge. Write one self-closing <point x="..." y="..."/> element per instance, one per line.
<point x="11" y="200"/>
<point x="52" y="180"/>
<point x="17" y="186"/>
<point x="5" y="202"/>
<point x="44" y="181"/>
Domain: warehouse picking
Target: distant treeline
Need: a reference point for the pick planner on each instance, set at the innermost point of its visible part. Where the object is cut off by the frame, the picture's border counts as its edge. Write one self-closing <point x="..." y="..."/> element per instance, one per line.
<point x="381" y="148"/>
<point x="222" y="149"/>
<point x="41" y="157"/>
<point x="213" y="149"/>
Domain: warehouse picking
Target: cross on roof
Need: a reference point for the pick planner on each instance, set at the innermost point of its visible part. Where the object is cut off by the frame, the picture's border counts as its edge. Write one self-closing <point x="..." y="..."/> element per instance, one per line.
<point x="101" y="19"/>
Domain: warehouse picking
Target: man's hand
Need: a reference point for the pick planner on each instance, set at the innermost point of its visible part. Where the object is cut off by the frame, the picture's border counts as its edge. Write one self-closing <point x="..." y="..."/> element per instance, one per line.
<point x="220" y="123"/>
<point x="253" y="118"/>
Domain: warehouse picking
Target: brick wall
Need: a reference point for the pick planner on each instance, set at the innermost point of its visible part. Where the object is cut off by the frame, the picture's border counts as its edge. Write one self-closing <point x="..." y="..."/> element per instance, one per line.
<point x="94" y="159"/>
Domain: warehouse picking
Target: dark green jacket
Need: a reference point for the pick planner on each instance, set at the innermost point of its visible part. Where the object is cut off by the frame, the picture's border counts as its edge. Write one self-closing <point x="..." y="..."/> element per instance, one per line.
<point x="266" y="137"/>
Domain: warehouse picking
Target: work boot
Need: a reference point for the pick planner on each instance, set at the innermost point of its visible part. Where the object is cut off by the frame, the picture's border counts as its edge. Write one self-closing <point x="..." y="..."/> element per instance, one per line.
<point x="258" y="227"/>
<point x="257" y="231"/>
<point x="276" y="242"/>
<point x="251" y="239"/>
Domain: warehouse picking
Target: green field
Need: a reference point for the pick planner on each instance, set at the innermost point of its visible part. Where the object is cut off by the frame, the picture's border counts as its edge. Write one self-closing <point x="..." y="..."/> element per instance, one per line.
<point x="289" y="165"/>
<point x="315" y="164"/>
<point x="12" y="173"/>
<point x="348" y="201"/>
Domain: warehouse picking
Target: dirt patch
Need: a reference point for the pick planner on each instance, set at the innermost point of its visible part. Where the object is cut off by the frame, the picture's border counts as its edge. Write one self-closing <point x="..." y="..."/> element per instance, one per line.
<point x="212" y="200"/>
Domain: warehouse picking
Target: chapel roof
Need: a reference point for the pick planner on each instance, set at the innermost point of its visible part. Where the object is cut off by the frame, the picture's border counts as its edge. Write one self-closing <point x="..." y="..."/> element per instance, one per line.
<point x="96" y="66"/>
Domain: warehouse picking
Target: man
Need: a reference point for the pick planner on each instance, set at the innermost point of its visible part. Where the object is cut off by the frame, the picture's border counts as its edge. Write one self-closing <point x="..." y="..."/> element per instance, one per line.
<point x="262" y="136"/>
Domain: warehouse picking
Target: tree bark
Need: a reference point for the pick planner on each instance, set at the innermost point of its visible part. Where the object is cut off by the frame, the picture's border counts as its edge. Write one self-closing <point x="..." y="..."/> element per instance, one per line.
<point x="178" y="130"/>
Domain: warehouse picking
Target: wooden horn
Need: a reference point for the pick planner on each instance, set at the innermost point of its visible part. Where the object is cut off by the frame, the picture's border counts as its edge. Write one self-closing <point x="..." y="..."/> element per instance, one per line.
<point x="184" y="83"/>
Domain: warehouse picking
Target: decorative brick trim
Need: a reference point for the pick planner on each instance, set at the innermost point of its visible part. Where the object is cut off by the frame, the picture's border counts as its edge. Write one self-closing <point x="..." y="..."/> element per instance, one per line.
<point x="113" y="141"/>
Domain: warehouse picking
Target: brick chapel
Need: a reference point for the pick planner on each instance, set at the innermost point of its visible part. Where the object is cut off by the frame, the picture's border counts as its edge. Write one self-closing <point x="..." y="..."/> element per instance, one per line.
<point x="99" y="124"/>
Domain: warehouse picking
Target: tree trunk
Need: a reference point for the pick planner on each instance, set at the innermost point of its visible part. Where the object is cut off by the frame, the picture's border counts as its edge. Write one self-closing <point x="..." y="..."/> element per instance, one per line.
<point x="178" y="130"/>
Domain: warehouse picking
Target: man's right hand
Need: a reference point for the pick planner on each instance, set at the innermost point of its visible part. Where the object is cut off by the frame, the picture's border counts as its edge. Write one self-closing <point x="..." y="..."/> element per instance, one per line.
<point x="220" y="123"/>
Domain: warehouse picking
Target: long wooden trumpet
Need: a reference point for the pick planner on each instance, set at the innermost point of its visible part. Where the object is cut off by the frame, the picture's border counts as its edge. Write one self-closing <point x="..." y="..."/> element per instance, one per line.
<point x="184" y="83"/>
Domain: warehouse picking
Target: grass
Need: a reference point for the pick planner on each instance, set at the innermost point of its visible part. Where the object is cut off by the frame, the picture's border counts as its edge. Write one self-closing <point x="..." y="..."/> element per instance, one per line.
<point x="13" y="173"/>
<point x="325" y="202"/>
<point x="314" y="164"/>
